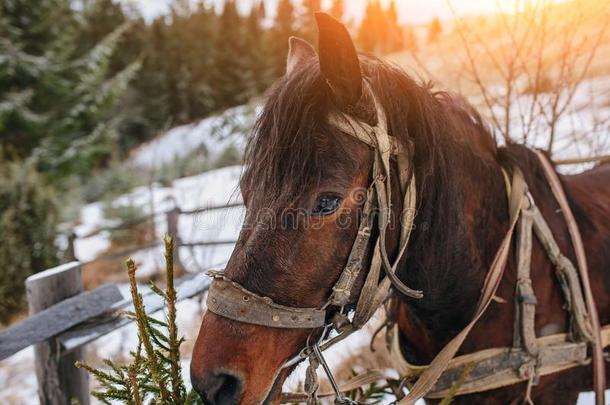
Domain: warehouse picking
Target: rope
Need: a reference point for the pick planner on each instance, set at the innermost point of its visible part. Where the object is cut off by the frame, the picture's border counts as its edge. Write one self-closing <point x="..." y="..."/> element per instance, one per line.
<point x="311" y="380"/>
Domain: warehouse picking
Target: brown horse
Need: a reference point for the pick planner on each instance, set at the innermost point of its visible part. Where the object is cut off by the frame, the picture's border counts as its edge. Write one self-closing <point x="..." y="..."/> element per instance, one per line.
<point x="300" y="188"/>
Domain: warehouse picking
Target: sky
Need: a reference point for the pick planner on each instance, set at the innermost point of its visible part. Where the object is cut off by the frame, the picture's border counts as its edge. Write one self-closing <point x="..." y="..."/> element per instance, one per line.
<point x="409" y="11"/>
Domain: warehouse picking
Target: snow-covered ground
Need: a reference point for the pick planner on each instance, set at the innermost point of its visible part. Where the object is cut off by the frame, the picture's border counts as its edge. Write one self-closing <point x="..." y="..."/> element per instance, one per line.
<point x="211" y="135"/>
<point x="220" y="187"/>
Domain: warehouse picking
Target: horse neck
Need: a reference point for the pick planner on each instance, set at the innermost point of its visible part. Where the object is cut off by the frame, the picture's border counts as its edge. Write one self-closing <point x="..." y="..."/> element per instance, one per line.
<point x="461" y="219"/>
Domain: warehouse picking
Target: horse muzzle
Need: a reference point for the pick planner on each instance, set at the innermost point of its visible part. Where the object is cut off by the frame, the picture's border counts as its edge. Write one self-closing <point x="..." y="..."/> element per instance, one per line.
<point x="239" y="363"/>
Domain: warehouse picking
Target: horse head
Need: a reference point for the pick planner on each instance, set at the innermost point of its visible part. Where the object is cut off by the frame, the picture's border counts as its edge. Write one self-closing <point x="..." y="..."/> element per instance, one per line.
<point x="304" y="186"/>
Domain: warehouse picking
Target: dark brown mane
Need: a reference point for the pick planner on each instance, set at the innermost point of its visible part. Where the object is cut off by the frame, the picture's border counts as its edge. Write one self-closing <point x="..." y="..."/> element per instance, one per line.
<point x="290" y="140"/>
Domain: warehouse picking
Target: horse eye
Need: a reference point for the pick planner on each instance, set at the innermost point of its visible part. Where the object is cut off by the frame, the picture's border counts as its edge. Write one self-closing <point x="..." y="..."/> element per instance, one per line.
<point x="327" y="205"/>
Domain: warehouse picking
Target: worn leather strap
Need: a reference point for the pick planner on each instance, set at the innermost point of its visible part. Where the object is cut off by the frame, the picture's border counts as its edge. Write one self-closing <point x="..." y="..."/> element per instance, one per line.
<point x="599" y="366"/>
<point x="385" y="146"/>
<point x="498" y="367"/>
<point x="230" y="300"/>
<point x="361" y="130"/>
<point x="568" y="279"/>
<point x="525" y="298"/>
<point x="342" y="289"/>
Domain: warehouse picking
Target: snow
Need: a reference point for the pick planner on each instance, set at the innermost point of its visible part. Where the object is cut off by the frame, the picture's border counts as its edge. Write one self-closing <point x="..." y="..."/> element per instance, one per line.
<point x="212" y="135"/>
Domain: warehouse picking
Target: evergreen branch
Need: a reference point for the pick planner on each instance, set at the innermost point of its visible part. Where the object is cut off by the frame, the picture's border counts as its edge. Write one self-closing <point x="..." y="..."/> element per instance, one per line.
<point x="154" y="375"/>
<point x="137" y="399"/>
<point x="170" y="294"/>
<point x="100" y="375"/>
<point x="151" y="360"/>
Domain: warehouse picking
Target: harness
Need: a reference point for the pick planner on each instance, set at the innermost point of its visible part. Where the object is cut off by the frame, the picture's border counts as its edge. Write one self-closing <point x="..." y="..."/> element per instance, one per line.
<point x="530" y="356"/>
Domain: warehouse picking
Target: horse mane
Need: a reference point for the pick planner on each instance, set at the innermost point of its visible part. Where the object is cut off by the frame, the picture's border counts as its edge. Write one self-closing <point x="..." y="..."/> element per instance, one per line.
<point x="446" y="137"/>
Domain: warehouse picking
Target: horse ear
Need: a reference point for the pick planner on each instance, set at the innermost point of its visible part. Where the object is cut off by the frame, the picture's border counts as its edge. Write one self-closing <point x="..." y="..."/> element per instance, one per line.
<point x="299" y="51"/>
<point x="338" y="60"/>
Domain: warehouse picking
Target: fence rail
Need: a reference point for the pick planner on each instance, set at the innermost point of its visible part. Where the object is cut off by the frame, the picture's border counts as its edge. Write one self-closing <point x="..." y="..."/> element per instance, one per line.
<point x="148" y="217"/>
<point x="172" y="215"/>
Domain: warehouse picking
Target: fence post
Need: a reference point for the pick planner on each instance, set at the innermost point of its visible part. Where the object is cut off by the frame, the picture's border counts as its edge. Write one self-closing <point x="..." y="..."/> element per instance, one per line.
<point x="172" y="229"/>
<point x="71" y="253"/>
<point x="59" y="382"/>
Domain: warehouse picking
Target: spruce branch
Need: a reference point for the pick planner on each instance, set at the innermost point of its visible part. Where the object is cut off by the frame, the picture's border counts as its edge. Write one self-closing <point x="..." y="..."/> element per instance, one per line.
<point x="143" y="331"/>
<point x="154" y="375"/>
<point x="170" y="295"/>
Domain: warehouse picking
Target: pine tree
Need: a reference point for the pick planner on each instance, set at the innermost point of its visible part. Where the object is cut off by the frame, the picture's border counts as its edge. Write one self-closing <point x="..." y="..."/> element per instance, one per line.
<point x="434" y="30"/>
<point x="394" y="41"/>
<point x="56" y="99"/>
<point x="283" y="28"/>
<point x="101" y="17"/>
<point x="153" y="83"/>
<point x="25" y="37"/>
<point x="154" y="374"/>
<point x="337" y="9"/>
<point x="380" y="31"/>
<point x="201" y="25"/>
<point x="373" y="28"/>
<point x="29" y="213"/>
<point x="256" y="51"/>
<point x="229" y="76"/>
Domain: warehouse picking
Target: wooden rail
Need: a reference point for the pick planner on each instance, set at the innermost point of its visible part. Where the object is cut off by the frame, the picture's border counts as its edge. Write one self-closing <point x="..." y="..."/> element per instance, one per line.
<point x="146" y="218"/>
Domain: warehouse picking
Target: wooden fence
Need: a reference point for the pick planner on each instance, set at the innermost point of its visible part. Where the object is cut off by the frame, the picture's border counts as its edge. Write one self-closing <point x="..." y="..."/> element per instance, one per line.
<point x="63" y="318"/>
<point x="171" y="217"/>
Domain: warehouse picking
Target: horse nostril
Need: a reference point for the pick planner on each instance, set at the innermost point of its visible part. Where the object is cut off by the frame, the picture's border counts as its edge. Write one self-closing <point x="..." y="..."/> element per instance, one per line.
<point x="219" y="389"/>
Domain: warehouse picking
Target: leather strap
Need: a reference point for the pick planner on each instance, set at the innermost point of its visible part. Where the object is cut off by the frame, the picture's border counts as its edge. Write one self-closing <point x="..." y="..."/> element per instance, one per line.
<point x="499" y="367"/>
<point x="384" y="147"/>
<point x="361" y="130"/>
<point x="568" y="279"/>
<point x="343" y="287"/>
<point x="530" y="357"/>
<point x="525" y="298"/>
<point x="230" y="300"/>
<point x="599" y="367"/>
